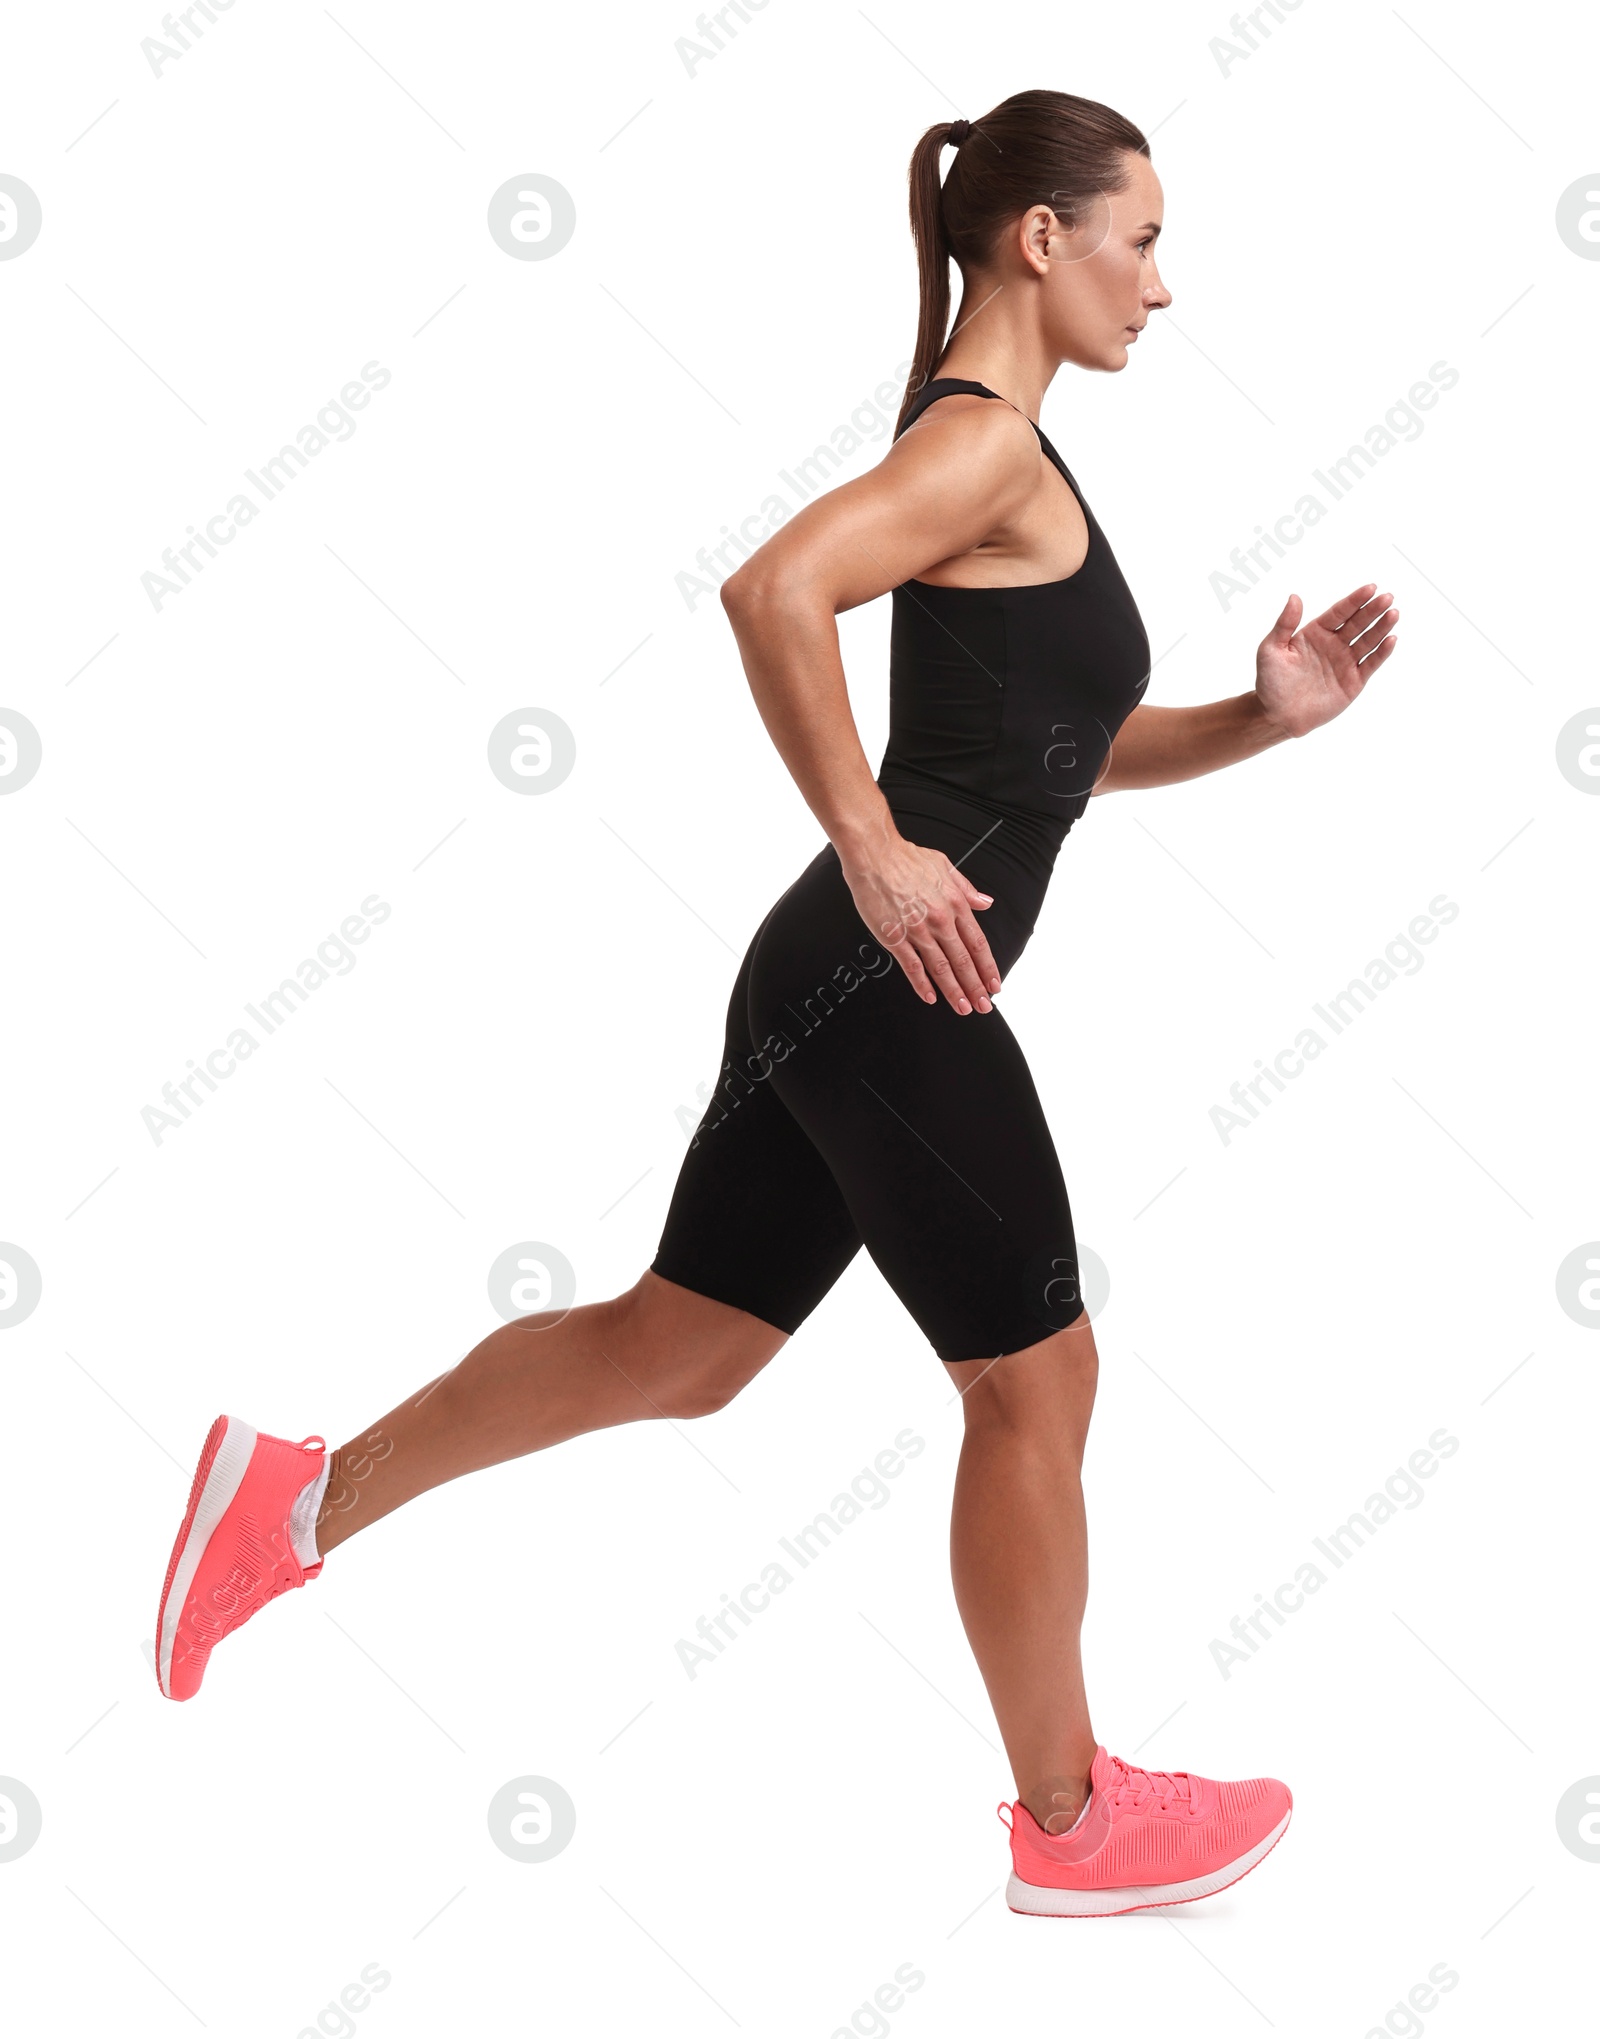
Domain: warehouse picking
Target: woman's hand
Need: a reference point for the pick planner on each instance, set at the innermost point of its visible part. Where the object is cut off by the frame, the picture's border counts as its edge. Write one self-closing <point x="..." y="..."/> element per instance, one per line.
<point x="1303" y="681"/>
<point x="921" y="908"/>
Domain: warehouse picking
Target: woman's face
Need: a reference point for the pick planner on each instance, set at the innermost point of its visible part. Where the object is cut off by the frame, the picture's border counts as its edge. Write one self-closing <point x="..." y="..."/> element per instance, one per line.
<point x="1101" y="280"/>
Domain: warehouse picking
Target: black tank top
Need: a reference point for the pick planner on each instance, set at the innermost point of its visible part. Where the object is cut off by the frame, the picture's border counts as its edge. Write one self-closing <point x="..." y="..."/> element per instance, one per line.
<point x="1003" y="701"/>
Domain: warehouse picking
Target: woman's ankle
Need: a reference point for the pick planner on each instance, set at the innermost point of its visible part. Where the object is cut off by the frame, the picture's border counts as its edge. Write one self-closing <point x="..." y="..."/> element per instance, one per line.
<point x="339" y="1517"/>
<point x="1057" y="1801"/>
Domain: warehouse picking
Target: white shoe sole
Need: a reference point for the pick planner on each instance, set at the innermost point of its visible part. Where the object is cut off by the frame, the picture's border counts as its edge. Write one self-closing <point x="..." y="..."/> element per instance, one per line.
<point x="1041" y="1901"/>
<point x="223" y="1481"/>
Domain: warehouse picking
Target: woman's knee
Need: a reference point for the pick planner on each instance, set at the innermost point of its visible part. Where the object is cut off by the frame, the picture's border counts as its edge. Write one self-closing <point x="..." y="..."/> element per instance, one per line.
<point x="689" y="1354"/>
<point x="694" y="1392"/>
<point x="690" y="1383"/>
<point x="1041" y="1389"/>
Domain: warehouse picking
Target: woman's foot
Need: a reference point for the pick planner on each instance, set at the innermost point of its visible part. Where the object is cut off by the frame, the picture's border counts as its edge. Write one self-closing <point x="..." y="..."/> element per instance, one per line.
<point x="1145" y="1838"/>
<point x="248" y="1535"/>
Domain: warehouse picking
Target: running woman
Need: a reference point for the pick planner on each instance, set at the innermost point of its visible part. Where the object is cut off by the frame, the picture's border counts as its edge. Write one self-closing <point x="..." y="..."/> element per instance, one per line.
<point x="871" y="1092"/>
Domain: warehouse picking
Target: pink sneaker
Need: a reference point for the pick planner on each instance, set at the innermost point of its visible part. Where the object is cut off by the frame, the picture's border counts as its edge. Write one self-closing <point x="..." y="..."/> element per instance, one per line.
<point x="237" y="1548"/>
<point x="1146" y="1838"/>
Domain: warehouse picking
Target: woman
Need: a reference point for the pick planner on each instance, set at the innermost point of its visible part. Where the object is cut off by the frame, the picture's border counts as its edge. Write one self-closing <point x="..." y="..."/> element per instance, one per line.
<point x="870" y="1092"/>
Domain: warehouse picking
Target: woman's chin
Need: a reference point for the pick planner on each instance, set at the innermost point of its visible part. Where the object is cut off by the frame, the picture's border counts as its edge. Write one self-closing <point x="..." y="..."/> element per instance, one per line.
<point x="1112" y="356"/>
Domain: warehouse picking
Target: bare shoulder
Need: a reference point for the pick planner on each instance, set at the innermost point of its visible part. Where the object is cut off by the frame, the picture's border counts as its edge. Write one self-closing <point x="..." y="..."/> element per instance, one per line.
<point x="982" y="424"/>
<point x="975" y="444"/>
<point x="965" y="470"/>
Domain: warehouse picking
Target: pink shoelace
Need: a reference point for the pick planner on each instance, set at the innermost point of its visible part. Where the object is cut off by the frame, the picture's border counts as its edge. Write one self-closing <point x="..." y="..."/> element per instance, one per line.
<point x="1130" y="1783"/>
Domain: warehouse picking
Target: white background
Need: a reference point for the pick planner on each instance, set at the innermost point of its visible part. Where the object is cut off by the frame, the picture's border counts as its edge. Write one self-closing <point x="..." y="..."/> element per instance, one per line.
<point x="1291" y="1313"/>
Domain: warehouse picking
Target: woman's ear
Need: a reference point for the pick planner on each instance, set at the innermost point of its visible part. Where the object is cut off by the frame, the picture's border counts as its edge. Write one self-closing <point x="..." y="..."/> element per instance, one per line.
<point x="1034" y="233"/>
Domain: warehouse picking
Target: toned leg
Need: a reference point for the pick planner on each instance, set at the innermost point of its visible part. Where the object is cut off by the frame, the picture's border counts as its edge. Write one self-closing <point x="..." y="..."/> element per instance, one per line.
<point x="659" y="1350"/>
<point x="1019" y="1558"/>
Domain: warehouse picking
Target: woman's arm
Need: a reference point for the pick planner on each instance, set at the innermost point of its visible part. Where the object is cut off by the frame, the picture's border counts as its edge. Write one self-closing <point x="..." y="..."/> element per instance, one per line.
<point x="1301" y="682"/>
<point x="1160" y="746"/>
<point x="943" y="488"/>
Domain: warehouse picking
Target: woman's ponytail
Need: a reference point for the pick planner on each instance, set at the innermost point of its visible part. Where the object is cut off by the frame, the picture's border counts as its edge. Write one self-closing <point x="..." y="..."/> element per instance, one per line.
<point x="933" y="260"/>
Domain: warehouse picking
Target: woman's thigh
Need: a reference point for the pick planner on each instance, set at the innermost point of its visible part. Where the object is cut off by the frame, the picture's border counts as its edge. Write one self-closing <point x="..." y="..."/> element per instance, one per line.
<point x="757" y="1221"/>
<point x="927" y="1121"/>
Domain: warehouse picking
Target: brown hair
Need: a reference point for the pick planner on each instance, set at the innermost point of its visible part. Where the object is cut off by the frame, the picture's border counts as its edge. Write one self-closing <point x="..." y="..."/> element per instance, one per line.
<point x="1035" y="148"/>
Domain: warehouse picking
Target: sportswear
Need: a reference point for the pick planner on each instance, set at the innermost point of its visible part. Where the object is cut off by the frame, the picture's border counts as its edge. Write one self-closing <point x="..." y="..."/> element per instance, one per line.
<point x="849" y="1112"/>
<point x="1146" y="1838"/>
<point x="242" y="1542"/>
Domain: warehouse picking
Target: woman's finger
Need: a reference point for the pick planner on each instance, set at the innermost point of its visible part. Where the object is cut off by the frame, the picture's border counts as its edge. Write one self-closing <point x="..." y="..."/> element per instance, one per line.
<point x="947" y="960"/>
<point x="1337" y="614"/>
<point x="911" y="963"/>
<point x="1367" y="615"/>
<point x="937" y="965"/>
<point x="1373" y="630"/>
<point x="1371" y="660"/>
<point x="970" y="932"/>
<point x="978" y="948"/>
<point x="1288" y="621"/>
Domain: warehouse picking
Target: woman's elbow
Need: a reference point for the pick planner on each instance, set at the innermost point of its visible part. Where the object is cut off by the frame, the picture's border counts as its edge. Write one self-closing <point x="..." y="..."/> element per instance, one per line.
<point x="756" y="591"/>
<point x="739" y="592"/>
<point x="746" y="595"/>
